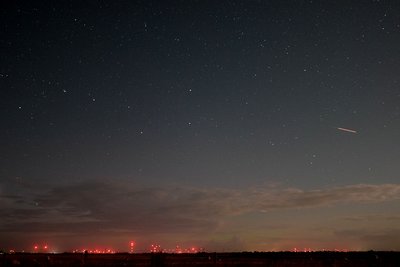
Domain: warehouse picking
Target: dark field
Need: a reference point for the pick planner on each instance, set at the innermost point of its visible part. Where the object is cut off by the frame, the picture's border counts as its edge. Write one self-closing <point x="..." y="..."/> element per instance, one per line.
<point x="269" y="259"/>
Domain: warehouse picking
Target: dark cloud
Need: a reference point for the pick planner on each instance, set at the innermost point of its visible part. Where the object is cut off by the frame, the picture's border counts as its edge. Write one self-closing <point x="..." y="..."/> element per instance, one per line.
<point x="378" y="239"/>
<point x="296" y="198"/>
<point x="80" y="207"/>
<point x="233" y="243"/>
<point x="388" y="239"/>
<point x="372" y="217"/>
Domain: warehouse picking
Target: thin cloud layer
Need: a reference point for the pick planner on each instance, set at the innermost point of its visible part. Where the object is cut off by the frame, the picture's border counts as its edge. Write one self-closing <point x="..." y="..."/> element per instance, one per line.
<point x="123" y="207"/>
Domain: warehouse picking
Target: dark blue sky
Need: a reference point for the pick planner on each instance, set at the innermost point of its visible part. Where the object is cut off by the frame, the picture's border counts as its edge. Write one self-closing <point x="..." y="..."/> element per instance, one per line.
<point x="210" y="121"/>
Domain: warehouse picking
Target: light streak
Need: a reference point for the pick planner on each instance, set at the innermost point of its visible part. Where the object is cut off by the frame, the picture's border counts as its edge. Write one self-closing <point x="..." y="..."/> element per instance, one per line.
<point x="347" y="130"/>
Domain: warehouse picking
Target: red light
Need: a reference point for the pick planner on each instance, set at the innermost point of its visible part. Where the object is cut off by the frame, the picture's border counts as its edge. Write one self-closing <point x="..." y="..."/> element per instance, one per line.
<point x="155" y="248"/>
<point x="132" y="245"/>
<point x="45" y="247"/>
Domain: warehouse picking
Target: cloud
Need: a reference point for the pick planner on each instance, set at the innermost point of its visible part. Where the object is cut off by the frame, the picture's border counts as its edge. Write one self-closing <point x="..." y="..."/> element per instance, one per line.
<point x="123" y="207"/>
<point x="385" y="240"/>
<point x="372" y="238"/>
<point x="296" y="198"/>
<point x="233" y="243"/>
<point x="372" y="217"/>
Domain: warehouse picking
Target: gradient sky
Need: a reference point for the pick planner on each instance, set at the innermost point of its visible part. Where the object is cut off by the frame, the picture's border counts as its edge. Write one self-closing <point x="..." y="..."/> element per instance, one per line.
<point x="207" y="123"/>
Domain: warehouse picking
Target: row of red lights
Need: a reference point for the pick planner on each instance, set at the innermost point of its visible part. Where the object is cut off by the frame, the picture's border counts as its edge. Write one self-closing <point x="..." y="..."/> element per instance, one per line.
<point x="95" y="251"/>
<point x="36" y="247"/>
<point x="311" y="250"/>
<point x="153" y="249"/>
<point x="156" y="248"/>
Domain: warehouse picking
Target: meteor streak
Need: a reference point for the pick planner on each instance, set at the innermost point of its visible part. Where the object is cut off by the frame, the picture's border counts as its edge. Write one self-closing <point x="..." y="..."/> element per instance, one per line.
<point x="347" y="130"/>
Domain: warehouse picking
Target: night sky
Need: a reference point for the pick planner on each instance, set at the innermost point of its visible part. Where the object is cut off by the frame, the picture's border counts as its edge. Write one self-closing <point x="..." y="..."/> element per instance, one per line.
<point x="230" y="125"/>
